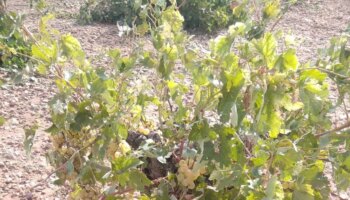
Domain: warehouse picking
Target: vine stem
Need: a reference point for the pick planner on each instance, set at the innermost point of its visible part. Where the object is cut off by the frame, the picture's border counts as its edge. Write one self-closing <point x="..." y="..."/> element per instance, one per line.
<point x="244" y="145"/>
<point x="327" y="71"/>
<point x="346" y="109"/>
<point x="29" y="34"/>
<point x="280" y="18"/>
<point x="63" y="165"/>
<point x="182" y="4"/>
<point x="344" y="126"/>
<point x="127" y="190"/>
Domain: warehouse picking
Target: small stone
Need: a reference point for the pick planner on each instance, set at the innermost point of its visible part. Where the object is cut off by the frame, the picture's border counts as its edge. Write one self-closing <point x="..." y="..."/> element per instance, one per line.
<point x="33" y="79"/>
<point x="9" y="156"/>
<point x="29" y="196"/>
<point x="343" y="195"/>
<point x="14" y="121"/>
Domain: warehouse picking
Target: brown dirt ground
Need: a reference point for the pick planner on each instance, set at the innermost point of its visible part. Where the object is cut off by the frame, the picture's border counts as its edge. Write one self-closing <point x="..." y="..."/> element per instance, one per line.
<point x="312" y="21"/>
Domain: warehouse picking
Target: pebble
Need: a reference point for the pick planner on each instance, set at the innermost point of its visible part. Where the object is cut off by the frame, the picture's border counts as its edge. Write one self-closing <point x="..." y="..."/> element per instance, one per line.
<point x="344" y="195"/>
<point x="9" y="156"/>
<point x="14" y="121"/>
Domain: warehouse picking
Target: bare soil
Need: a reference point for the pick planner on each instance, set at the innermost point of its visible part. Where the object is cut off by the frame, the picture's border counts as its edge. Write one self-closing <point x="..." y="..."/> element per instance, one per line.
<point x="314" y="22"/>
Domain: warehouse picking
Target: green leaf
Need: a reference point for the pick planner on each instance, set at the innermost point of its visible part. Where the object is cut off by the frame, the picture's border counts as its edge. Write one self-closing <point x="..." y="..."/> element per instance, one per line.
<point x="226" y="149"/>
<point x="275" y="123"/>
<point x="222" y="45"/>
<point x="274" y="189"/>
<point x="289" y="105"/>
<point x="172" y="18"/>
<point x="266" y="46"/>
<point x="233" y="82"/>
<point x="72" y="49"/>
<point x="304" y="192"/>
<point x="315" y="88"/>
<point x="313" y="74"/>
<point x="199" y="131"/>
<point x="260" y="158"/>
<point x="122" y="164"/>
<point x="2" y="120"/>
<point x="70" y="167"/>
<point x="270" y="120"/>
<point x="226" y="178"/>
<point x="271" y="9"/>
<point x="43" y="23"/>
<point x="139" y="180"/>
<point x="46" y="53"/>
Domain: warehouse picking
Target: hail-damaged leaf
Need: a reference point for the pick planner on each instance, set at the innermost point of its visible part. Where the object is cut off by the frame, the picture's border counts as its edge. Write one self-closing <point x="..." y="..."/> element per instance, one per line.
<point x="272" y="9"/>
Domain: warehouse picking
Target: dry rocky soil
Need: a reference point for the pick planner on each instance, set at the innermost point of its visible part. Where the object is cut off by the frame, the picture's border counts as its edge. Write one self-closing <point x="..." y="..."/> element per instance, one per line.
<point x="314" y="22"/>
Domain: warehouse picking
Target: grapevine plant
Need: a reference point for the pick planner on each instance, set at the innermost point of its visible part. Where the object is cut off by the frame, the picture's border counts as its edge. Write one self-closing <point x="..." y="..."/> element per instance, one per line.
<point x="246" y="120"/>
<point x="202" y="15"/>
<point x="14" y="45"/>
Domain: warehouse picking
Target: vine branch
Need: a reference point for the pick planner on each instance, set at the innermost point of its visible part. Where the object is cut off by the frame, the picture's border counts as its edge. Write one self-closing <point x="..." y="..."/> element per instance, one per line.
<point x="64" y="164"/>
<point x="280" y="17"/>
<point x="182" y="4"/>
<point x="344" y="126"/>
<point x="328" y="72"/>
<point x="127" y="190"/>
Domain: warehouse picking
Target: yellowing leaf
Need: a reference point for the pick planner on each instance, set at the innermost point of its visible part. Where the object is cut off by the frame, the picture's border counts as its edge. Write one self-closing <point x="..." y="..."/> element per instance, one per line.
<point x="234" y="81"/>
<point x="173" y="18"/>
<point x="289" y="105"/>
<point x="2" y="121"/>
<point x="313" y="74"/>
<point x="42" y="52"/>
<point x="142" y="29"/>
<point x="275" y="125"/>
<point x="277" y="78"/>
<point x="318" y="89"/>
<point x="290" y="60"/>
<point x="272" y="9"/>
<point x="12" y="50"/>
<point x="237" y="29"/>
<point x="124" y="147"/>
<point x="43" y="23"/>
<point x="71" y="47"/>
